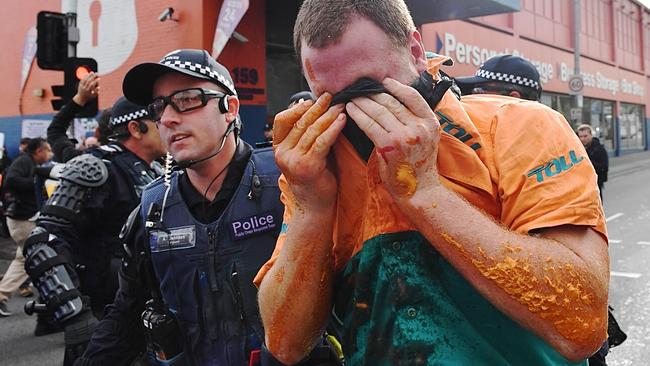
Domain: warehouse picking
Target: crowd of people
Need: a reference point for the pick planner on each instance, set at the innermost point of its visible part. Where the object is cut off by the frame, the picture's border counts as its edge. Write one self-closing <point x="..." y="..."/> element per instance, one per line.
<point x="397" y="217"/>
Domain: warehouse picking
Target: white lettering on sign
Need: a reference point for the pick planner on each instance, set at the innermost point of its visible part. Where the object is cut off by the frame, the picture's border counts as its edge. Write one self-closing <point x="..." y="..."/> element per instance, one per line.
<point x="600" y="81"/>
<point x="475" y="55"/>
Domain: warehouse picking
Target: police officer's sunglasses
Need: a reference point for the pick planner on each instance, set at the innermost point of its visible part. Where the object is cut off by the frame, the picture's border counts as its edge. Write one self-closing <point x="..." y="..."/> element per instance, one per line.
<point x="182" y="101"/>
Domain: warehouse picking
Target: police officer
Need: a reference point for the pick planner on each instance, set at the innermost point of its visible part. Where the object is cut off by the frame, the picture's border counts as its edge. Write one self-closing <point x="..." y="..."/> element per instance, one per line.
<point x="504" y="75"/>
<point x="73" y="255"/>
<point x="200" y="235"/>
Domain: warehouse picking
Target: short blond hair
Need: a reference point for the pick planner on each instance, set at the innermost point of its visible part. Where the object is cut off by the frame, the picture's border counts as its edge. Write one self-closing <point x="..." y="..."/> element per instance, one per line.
<point x="585" y="127"/>
<point x="321" y="23"/>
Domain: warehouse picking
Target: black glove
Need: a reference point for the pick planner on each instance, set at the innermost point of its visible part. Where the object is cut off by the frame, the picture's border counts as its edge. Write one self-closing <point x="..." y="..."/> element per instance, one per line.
<point x="77" y="334"/>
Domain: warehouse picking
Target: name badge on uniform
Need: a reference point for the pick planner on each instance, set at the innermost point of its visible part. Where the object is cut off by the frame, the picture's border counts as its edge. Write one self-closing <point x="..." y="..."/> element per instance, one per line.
<point x="174" y="239"/>
<point x="253" y="225"/>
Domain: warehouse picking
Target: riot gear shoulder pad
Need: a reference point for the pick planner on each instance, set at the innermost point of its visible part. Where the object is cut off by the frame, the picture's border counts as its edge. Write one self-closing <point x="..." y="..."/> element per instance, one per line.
<point x="85" y="170"/>
<point x="80" y="175"/>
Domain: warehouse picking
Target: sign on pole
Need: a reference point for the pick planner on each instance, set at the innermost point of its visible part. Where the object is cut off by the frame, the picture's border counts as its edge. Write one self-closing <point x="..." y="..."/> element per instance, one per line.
<point x="576" y="84"/>
<point x="231" y="13"/>
<point x="576" y="114"/>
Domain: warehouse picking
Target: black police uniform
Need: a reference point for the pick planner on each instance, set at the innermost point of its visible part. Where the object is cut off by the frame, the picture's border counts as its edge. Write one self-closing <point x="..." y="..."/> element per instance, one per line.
<point x="204" y="262"/>
<point x="89" y="238"/>
<point x="75" y="249"/>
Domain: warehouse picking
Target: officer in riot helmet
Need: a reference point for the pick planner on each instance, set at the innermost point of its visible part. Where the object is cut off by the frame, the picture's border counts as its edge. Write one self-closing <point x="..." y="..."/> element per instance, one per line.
<point x="73" y="255"/>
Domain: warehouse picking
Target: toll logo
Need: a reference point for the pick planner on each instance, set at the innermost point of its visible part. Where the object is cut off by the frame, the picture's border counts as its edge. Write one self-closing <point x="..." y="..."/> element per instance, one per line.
<point x="555" y="166"/>
<point x="254" y="225"/>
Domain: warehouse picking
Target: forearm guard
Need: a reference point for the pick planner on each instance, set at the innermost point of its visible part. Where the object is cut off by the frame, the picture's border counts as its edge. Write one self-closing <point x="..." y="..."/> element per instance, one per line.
<point x="51" y="275"/>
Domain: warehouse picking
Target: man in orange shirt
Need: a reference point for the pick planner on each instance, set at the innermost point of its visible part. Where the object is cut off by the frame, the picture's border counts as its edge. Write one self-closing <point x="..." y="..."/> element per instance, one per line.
<point x="472" y="233"/>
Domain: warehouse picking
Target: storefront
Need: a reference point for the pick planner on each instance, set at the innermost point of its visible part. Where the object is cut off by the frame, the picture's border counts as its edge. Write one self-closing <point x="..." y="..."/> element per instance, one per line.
<point x="616" y="35"/>
<point x="615" y="75"/>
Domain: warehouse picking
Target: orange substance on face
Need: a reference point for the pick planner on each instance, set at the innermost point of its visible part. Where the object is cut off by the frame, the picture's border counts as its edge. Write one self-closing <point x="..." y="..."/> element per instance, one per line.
<point x="413" y="141"/>
<point x="310" y="71"/>
<point x="557" y="296"/>
<point x="433" y="205"/>
<point x="405" y="179"/>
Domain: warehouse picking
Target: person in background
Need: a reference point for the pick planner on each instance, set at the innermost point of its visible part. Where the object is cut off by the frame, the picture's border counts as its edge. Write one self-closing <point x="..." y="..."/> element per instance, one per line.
<point x="268" y="132"/>
<point x="23" y="144"/>
<point x="21" y="212"/>
<point x="597" y="153"/>
<point x="90" y="142"/>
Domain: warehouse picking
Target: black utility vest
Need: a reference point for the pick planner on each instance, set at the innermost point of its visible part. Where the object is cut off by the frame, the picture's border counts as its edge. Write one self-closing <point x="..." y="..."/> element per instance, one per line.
<point x="206" y="271"/>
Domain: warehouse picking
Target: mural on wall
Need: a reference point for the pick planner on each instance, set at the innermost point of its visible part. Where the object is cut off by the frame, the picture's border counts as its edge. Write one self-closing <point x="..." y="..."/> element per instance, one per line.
<point x="109" y="31"/>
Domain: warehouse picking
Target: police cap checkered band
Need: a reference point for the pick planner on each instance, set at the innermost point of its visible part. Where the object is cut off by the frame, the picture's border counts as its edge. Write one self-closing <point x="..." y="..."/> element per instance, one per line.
<point x="508" y="78"/>
<point x="505" y="68"/>
<point x="128" y="117"/>
<point x="138" y="82"/>
<point x="123" y="111"/>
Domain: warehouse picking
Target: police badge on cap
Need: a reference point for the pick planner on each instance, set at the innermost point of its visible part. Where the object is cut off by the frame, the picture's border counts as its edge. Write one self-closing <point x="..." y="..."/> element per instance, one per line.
<point x="138" y="82"/>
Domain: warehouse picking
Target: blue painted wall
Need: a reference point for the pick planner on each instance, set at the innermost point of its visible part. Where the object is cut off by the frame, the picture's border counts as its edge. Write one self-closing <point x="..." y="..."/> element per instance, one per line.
<point x="12" y="128"/>
<point x="254" y="118"/>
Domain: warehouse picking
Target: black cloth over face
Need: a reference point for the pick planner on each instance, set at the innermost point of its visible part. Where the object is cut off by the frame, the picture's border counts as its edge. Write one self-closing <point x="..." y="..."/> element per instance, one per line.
<point x="360" y="88"/>
<point x="431" y="91"/>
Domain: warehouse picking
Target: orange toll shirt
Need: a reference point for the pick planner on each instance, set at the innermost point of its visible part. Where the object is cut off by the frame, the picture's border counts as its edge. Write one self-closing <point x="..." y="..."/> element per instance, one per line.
<point x="518" y="161"/>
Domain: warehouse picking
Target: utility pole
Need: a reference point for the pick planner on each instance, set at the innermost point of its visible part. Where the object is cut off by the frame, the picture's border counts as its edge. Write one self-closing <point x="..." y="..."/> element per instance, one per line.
<point x="69" y="8"/>
<point x="577" y="29"/>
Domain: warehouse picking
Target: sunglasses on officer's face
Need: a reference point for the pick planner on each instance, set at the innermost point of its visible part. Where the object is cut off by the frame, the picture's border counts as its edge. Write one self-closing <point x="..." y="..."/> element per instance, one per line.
<point x="182" y="101"/>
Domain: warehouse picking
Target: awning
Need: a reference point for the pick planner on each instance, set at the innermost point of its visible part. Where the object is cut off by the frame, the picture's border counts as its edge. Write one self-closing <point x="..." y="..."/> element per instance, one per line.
<point x="429" y="11"/>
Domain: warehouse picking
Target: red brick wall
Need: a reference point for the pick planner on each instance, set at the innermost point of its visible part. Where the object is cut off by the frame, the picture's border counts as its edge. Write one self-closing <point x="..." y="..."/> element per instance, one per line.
<point x="194" y="29"/>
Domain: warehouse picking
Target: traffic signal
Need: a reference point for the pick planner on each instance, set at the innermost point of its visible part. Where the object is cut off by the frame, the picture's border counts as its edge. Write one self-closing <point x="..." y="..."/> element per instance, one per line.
<point x="75" y="69"/>
<point x="52" y="40"/>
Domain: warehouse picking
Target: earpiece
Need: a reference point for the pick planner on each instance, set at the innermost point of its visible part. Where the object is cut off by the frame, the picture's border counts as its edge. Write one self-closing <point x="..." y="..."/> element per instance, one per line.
<point x="143" y="127"/>
<point x="223" y="104"/>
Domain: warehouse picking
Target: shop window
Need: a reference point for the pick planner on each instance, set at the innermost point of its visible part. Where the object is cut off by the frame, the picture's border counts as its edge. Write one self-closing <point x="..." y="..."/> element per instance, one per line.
<point x="558" y="102"/>
<point x="600" y="115"/>
<point x="632" y="131"/>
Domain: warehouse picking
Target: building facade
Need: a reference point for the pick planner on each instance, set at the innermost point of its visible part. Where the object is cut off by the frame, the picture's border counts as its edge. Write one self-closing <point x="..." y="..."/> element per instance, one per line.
<point x="615" y="62"/>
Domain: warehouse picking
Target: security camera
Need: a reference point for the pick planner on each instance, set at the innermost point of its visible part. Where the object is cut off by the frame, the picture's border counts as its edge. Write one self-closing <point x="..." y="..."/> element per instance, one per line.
<point x="166" y="14"/>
